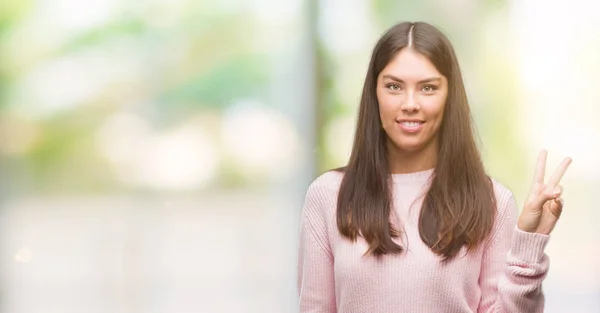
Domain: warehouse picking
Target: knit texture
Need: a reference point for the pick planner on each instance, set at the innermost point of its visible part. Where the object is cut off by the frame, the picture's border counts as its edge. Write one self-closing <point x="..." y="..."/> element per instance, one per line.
<point x="504" y="274"/>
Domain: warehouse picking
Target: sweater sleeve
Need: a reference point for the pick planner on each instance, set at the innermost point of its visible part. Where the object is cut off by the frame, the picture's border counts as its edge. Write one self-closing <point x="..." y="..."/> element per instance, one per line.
<point x="315" y="259"/>
<point x="514" y="265"/>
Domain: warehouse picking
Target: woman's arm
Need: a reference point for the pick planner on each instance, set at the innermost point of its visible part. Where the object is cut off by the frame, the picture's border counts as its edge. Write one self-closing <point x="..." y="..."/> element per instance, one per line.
<point x="514" y="265"/>
<point x="315" y="259"/>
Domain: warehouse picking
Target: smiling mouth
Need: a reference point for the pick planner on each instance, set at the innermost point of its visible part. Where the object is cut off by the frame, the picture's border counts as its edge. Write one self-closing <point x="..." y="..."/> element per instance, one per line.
<point x="411" y="123"/>
<point x="412" y="126"/>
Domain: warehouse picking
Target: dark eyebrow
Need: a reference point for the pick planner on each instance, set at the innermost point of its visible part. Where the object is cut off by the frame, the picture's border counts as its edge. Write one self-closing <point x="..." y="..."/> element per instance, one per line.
<point x="426" y="80"/>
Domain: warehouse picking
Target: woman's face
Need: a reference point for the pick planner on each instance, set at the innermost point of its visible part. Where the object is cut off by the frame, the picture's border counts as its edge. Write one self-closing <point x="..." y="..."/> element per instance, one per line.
<point x="411" y="95"/>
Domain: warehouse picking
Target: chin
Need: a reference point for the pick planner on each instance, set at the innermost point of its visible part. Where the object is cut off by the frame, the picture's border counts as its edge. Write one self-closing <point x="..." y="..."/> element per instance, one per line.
<point x="409" y="146"/>
<point x="412" y="145"/>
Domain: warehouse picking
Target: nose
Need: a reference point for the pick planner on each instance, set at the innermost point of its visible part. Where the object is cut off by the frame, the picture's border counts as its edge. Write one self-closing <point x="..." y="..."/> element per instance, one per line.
<point x="410" y="103"/>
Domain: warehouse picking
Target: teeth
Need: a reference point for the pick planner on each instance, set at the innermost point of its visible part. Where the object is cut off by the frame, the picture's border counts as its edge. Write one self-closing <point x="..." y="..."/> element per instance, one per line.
<point x="411" y="124"/>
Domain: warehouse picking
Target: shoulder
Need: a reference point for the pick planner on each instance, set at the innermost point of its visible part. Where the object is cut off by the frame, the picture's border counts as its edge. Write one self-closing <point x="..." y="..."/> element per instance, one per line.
<point x="327" y="182"/>
<point x="505" y="199"/>
<point x="322" y="193"/>
<point x="501" y="191"/>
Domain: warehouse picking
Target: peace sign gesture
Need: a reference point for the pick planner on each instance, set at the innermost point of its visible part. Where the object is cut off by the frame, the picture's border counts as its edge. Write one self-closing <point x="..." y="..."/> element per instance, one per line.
<point x="544" y="204"/>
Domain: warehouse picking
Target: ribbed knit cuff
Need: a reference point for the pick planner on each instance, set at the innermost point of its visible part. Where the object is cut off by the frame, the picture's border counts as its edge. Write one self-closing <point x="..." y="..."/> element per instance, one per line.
<point x="528" y="247"/>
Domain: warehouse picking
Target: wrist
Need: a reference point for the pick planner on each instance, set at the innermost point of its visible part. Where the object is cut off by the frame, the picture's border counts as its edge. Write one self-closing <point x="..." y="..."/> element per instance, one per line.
<point x="533" y="230"/>
<point x="525" y="227"/>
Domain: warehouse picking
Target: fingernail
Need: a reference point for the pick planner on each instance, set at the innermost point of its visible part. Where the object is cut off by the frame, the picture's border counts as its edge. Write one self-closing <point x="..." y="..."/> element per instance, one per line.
<point x="558" y="190"/>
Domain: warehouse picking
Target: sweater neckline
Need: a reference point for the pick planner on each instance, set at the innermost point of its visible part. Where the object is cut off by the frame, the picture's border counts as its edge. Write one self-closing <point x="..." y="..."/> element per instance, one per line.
<point x="414" y="177"/>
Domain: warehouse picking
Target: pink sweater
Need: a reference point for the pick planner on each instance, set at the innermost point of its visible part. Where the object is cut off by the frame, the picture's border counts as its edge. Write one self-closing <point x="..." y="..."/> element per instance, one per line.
<point x="504" y="275"/>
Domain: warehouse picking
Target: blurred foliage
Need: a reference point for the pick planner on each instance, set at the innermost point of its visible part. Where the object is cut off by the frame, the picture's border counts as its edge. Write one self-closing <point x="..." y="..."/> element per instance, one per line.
<point x="66" y="156"/>
<point x="495" y="116"/>
<point x="107" y="32"/>
<point x="390" y="12"/>
<point x="242" y="76"/>
<point x="328" y="104"/>
<point x="205" y="60"/>
<point x="202" y="60"/>
<point x="11" y="13"/>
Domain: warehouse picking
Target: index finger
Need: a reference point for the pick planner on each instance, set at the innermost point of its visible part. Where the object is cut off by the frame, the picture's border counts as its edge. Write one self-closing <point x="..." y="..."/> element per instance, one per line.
<point x="558" y="173"/>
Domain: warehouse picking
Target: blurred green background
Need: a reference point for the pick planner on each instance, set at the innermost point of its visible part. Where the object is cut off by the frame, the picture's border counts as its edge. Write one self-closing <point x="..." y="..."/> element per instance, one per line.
<point x="154" y="155"/>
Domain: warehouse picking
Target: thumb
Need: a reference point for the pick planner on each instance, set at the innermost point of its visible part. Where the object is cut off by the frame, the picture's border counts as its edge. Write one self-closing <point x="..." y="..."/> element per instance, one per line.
<point x="556" y="207"/>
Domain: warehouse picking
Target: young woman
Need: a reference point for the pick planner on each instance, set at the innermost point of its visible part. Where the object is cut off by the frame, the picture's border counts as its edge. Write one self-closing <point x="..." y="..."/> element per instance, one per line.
<point x="413" y="223"/>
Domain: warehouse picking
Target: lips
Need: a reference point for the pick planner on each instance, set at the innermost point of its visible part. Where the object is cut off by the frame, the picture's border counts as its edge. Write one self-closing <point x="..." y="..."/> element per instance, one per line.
<point x="410" y="125"/>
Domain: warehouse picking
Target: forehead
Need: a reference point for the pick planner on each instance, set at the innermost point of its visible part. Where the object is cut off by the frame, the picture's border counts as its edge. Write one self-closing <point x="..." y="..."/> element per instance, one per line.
<point x="410" y="65"/>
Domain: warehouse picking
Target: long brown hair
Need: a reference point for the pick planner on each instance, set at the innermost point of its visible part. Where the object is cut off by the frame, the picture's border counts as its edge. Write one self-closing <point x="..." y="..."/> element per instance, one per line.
<point x="459" y="207"/>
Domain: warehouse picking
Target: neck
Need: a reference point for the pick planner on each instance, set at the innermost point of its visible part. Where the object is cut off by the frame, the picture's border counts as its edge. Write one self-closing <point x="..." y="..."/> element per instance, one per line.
<point x="404" y="162"/>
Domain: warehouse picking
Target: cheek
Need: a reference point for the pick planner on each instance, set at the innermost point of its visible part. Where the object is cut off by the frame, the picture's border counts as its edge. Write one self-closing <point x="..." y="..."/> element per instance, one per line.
<point x="434" y="108"/>
<point x="387" y="109"/>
